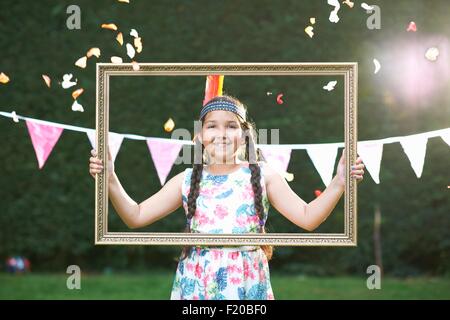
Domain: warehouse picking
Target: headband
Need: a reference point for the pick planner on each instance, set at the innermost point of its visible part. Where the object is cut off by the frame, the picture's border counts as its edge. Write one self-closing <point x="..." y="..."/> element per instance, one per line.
<point x="221" y="105"/>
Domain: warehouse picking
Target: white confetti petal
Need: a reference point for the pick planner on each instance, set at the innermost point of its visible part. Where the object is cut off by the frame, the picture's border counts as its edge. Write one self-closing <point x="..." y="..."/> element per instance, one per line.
<point x="365" y="6"/>
<point x="77" y="107"/>
<point x="115" y="59"/>
<point x="330" y="85"/>
<point x="134" y="33"/>
<point x="432" y="54"/>
<point x="66" y="81"/>
<point x="130" y="51"/>
<point x="377" y="66"/>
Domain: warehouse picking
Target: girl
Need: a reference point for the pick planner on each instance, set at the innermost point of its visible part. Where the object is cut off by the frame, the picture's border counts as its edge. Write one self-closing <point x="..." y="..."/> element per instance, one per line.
<point x="230" y="193"/>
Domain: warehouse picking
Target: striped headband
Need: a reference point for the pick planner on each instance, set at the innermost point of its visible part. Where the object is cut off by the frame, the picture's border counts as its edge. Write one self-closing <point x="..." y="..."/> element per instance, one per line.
<point x="221" y="105"/>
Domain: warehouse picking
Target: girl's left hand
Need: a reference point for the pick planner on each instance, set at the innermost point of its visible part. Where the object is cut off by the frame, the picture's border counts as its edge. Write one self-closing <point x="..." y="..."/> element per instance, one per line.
<point x="357" y="170"/>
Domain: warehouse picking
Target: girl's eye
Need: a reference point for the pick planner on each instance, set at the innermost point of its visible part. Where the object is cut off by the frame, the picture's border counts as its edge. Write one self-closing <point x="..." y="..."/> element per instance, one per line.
<point x="211" y="126"/>
<point x="233" y="126"/>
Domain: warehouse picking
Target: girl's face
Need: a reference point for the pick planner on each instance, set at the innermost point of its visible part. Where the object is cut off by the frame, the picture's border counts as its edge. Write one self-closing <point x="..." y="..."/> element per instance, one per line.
<point x="221" y="136"/>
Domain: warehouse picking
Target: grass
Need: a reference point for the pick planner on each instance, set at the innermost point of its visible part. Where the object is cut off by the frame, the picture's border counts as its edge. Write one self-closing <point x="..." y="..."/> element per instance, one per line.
<point x="157" y="285"/>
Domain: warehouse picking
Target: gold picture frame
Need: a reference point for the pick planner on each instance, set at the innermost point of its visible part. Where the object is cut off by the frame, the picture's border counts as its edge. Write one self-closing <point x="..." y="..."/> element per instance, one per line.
<point x="104" y="71"/>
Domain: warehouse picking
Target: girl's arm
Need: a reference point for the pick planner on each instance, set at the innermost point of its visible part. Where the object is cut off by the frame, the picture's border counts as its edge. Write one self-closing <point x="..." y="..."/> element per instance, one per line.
<point x="159" y="205"/>
<point x="289" y="204"/>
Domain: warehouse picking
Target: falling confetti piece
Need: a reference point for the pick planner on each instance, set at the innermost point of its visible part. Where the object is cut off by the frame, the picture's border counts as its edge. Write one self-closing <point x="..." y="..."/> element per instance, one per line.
<point x="15" y="117"/>
<point x="138" y="44"/>
<point x="130" y="51"/>
<point x="288" y="176"/>
<point x="4" y="78"/>
<point x="269" y="93"/>
<point x="93" y="52"/>
<point x="77" y="93"/>
<point x="169" y="125"/>
<point x="349" y="3"/>
<point x="317" y="192"/>
<point x="115" y="59"/>
<point x="125" y="1"/>
<point x="334" y="14"/>
<point x="309" y="31"/>
<point x="47" y="80"/>
<point x="81" y="62"/>
<point x="412" y="27"/>
<point x="280" y="99"/>
<point x="134" y="33"/>
<point x="109" y="26"/>
<point x="66" y="84"/>
<point x="330" y="85"/>
<point x="365" y="6"/>
<point x="136" y="66"/>
<point x="432" y="54"/>
<point x="119" y="38"/>
<point x="377" y="66"/>
<point x="77" y="107"/>
<point x="312" y="20"/>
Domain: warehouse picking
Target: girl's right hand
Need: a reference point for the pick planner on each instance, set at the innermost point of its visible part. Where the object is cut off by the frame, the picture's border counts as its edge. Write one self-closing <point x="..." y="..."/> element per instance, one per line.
<point x="96" y="165"/>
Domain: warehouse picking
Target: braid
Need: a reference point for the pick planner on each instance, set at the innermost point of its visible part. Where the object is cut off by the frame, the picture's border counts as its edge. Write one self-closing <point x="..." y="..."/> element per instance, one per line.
<point x="253" y="156"/>
<point x="194" y="192"/>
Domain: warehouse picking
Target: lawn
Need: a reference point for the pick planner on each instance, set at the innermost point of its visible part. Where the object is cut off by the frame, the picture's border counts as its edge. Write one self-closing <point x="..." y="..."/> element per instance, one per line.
<point x="157" y="285"/>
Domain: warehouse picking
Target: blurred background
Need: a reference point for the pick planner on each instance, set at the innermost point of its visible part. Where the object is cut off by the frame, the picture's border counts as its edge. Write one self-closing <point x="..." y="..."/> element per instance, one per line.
<point x="47" y="215"/>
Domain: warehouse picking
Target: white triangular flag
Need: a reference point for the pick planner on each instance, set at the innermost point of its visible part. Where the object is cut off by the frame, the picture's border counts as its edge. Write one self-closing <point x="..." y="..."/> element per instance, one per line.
<point x="277" y="157"/>
<point x="446" y="136"/>
<point x="371" y="153"/>
<point x="114" y="142"/>
<point x="323" y="157"/>
<point x="415" y="147"/>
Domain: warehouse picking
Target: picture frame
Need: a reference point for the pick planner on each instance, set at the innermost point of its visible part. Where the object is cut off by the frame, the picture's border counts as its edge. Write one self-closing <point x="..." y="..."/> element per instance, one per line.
<point x="347" y="70"/>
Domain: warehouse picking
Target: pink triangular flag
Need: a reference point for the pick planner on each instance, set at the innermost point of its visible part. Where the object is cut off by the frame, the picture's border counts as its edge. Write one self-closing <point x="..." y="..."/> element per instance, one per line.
<point x="44" y="137"/>
<point x="371" y="153"/>
<point x="277" y="157"/>
<point x="164" y="153"/>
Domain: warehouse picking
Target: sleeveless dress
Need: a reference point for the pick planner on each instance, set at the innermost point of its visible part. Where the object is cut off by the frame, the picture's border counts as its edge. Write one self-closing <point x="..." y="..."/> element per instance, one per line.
<point x="225" y="205"/>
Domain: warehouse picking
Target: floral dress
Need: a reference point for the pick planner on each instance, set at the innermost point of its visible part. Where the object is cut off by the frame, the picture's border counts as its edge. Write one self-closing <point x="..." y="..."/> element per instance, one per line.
<point x="225" y="205"/>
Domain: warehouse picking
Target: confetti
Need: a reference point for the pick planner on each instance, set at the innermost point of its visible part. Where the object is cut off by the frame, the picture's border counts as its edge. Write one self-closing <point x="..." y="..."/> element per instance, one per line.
<point x="334" y="14"/>
<point x="109" y="26"/>
<point x="119" y="38"/>
<point x="47" y="80"/>
<point x="432" y="54"/>
<point x="138" y="44"/>
<point x="309" y="31"/>
<point x="66" y="84"/>
<point x="412" y="27"/>
<point x="268" y="93"/>
<point x="169" y="125"/>
<point x="115" y="59"/>
<point x="136" y="66"/>
<point x="77" y="107"/>
<point x="280" y="99"/>
<point x="130" y="51"/>
<point x="349" y="3"/>
<point x="14" y="117"/>
<point x="93" y="52"/>
<point x="288" y="176"/>
<point x="124" y="1"/>
<point x="77" y="93"/>
<point x="134" y="33"/>
<point x="365" y="6"/>
<point x="81" y="62"/>
<point x="4" y="78"/>
<point x="312" y="20"/>
<point x="377" y="66"/>
<point x="330" y="85"/>
<point x="317" y="192"/>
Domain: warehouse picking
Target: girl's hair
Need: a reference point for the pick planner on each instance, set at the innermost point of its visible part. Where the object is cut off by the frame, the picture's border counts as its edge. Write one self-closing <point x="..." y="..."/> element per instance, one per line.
<point x="251" y="154"/>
